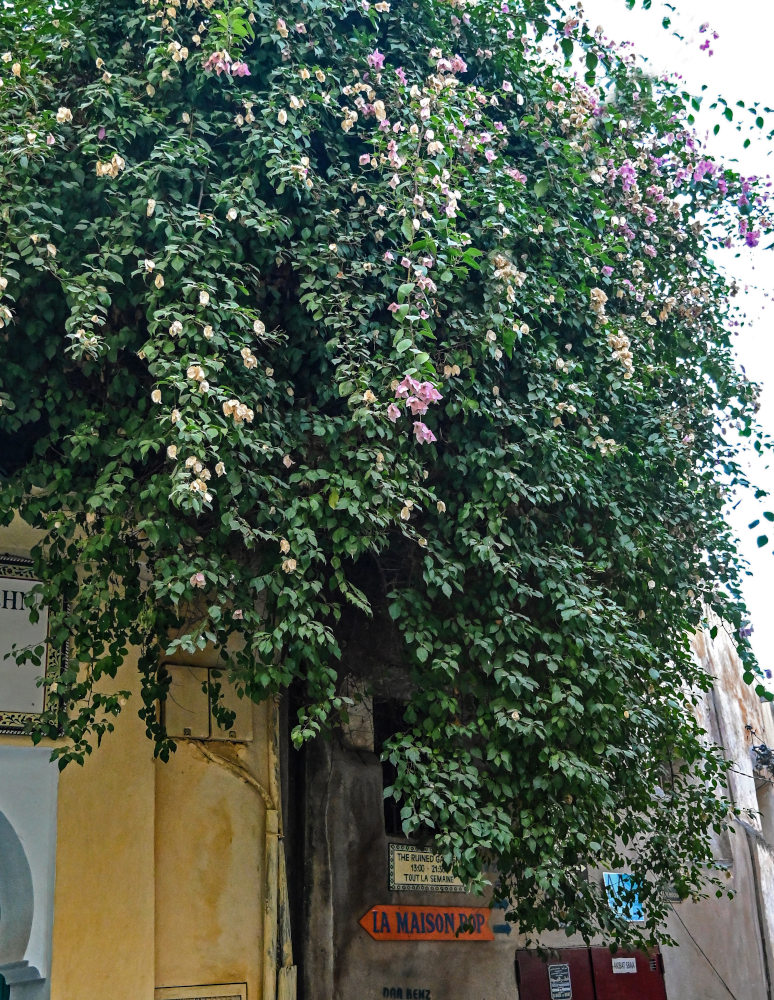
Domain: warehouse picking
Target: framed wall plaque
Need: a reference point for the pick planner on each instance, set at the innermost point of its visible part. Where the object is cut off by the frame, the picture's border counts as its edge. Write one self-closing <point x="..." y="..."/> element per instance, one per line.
<point x="22" y="699"/>
<point x="416" y="870"/>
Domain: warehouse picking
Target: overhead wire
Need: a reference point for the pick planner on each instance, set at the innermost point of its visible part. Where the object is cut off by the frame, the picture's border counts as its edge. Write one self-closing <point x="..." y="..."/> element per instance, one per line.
<point x="706" y="957"/>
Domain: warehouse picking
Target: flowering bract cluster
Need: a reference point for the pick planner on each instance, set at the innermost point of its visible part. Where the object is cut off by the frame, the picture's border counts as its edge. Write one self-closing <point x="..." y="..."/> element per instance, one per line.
<point x="220" y="62"/>
<point x="416" y="396"/>
<point x="270" y="233"/>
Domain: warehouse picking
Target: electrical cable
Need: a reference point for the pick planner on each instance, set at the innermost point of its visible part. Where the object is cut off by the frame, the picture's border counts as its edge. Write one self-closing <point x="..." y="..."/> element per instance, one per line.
<point x="709" y="963"/>
<point x="755" y="777"/>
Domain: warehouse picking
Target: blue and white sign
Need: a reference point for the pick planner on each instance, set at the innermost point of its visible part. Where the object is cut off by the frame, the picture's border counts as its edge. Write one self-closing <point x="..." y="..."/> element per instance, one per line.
<point x="622" y="897"/>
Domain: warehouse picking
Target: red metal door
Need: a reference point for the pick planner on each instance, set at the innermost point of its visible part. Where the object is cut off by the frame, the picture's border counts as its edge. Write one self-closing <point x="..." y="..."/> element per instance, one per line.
<point x="627" y="975"/>
<point x="589" y="974"/>
<point x="567" y="976"/>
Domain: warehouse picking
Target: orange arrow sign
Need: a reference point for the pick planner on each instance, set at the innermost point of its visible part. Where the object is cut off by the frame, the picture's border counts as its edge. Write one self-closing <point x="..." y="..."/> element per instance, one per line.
<point x="428" y="923"/>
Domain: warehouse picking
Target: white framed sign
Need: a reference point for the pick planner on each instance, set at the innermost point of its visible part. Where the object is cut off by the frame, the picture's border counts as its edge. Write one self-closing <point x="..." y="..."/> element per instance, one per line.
<point x="417" y="870"/>
<point x="21" y="697"/>
<point x="624" y="965"/>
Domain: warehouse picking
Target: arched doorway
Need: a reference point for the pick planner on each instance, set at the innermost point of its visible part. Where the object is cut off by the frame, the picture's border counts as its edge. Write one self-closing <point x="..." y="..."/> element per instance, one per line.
<point x="16" y="896"/>
<point x="17" y="907"/>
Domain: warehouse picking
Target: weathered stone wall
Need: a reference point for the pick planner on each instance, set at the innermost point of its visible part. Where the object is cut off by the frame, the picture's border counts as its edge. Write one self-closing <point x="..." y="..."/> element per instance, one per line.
<point x="347" y="874"/>
<point x="724" y="948"/>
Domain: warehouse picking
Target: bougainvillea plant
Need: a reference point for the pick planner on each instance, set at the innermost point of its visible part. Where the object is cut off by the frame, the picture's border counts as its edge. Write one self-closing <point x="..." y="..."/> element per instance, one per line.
<point x="389" y="326"/>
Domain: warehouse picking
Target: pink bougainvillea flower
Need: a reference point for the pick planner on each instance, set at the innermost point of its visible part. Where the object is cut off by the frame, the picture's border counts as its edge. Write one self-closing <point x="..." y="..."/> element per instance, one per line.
<point x="197" y="580"/>
<point x="393" y="307"/>
<point x="418" y="406"/>
<point x="100" y="133"/>
<point x="376" y="59"/>
<point x="428" y="392"/>
<point x="628" y="175"/>
<point x="219" y="62"/>
<point x="238" y="614"/>
<point x="239" y="69"/>
<point x="423" y="433"/>
<point x="607" y="270"/>
<point x="393" y="412"/>
<point x="408" y="387"/>
<point x="703" y="167"/>
<point x="401" y="75"/>
<point x="365" y="159"/>
<point x="516" y="175"/>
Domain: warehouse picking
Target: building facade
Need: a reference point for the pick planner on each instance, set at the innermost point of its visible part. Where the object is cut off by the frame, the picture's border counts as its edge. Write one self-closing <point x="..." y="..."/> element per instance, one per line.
<point x="241" y="870"/>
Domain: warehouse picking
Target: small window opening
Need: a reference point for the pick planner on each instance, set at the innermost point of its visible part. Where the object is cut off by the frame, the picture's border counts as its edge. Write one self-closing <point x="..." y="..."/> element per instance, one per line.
<point x="388" y="720"/>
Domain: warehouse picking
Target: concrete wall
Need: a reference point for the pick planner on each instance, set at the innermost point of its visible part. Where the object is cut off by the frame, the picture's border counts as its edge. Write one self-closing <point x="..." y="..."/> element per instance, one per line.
<point x="726" y="941"/>
<point x="347" y="874"/>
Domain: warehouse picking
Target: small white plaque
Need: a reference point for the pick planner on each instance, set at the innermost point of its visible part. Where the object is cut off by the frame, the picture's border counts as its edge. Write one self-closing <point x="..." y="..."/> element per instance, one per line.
<point x="624" y="965"/>
<point x="559" y="981"/>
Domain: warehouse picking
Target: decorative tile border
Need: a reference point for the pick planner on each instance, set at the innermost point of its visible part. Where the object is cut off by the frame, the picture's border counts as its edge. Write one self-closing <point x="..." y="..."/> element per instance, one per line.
<point x="13" y="721"/>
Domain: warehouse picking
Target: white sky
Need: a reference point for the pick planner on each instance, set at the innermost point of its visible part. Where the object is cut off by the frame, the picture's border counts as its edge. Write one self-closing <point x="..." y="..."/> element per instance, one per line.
<point x="740" y="69"/>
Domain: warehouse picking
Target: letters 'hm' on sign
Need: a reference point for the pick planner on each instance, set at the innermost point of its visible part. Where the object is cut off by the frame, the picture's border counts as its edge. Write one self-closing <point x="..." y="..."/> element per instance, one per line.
<point x="428" y="923"/>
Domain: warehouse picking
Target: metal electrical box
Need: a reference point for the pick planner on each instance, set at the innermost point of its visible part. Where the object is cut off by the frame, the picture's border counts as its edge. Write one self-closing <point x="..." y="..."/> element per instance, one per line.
<point x="188" y="706"/>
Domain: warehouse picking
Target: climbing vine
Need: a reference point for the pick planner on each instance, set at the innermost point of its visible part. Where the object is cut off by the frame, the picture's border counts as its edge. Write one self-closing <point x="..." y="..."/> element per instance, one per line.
<point x="390" y="327"/>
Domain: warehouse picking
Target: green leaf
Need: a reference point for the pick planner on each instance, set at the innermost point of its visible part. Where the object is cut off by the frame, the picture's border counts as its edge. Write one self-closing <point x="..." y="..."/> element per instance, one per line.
<point x="540" y="187"/>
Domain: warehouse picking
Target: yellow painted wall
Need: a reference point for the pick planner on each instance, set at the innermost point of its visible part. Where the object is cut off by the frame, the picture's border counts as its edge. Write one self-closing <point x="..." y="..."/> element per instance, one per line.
<point x="104" y="899"/>
<point x="159" y="867"/>
<point x="210" y="866"/>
